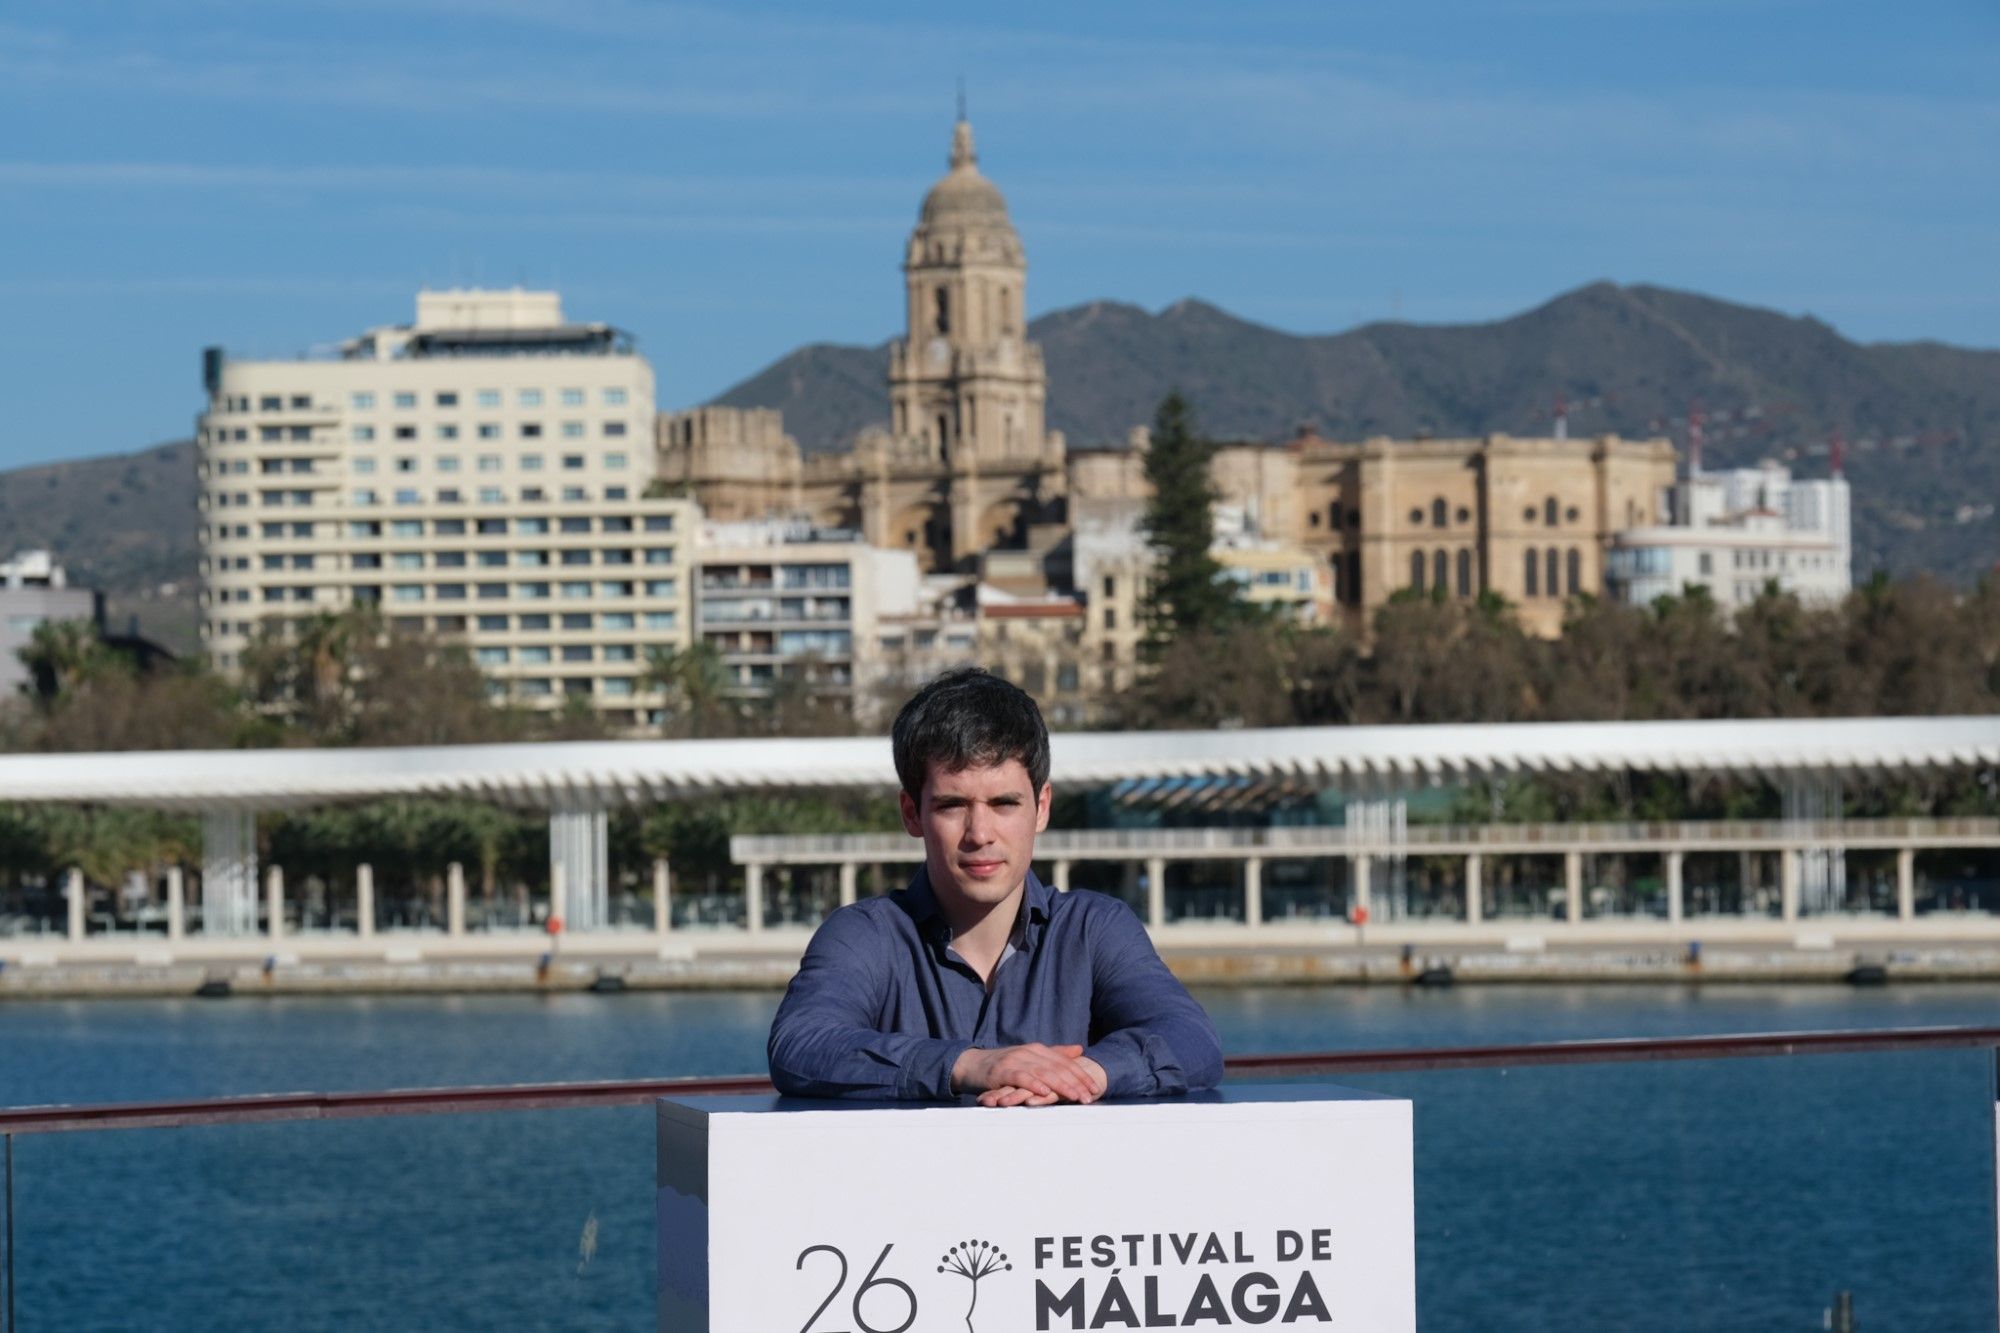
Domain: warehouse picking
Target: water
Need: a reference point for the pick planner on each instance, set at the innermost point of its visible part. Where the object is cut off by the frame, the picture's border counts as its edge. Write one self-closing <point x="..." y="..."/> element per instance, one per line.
<point x="1704" y="1195"/>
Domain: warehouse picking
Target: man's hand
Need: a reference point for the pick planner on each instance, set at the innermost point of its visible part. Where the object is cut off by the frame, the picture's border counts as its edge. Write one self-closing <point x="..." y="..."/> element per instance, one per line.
<point x="1030" y="1075"/>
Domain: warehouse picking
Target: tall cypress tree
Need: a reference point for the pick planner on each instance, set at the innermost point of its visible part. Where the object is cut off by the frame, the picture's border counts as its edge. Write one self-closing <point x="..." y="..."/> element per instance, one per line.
<point x="1187" y="593"/>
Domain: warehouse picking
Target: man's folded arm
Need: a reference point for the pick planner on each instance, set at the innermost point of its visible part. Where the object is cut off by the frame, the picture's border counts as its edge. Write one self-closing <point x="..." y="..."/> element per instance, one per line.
<point x="823" y="1041"/>
<point x="1150" y="1036"/>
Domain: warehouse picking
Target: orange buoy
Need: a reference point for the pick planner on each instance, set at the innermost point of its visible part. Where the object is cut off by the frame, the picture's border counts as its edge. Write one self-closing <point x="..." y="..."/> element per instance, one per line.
<point x="555" y="925"/>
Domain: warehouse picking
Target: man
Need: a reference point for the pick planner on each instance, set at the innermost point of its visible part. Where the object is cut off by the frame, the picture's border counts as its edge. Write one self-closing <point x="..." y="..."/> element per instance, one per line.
<point x="978" y="979"/>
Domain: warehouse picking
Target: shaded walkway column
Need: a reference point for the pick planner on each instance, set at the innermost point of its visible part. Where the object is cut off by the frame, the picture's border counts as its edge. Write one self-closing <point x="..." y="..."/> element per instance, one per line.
<point x="454" y="899"/>
<point x="274" y="902"/>
<point x="1253" y="891"/>
<point x="1156" y="892"/>
<point x="364" y="899"/>
<point x="848" y="871"/>
<point x="753" y="897"/>
<point x="1573" y="886"/>
<point x="1475" y="910"/>
<point x="1676" y="892"/>
<point x="176" y="903"/>
<point x="1813" y="811"/>
<point x="663" y="897"/>
<point x="579" y="843"/>
<point x="229" y="873"/>
<point x="74" y="892"/>
<point x="1906" y="883"/>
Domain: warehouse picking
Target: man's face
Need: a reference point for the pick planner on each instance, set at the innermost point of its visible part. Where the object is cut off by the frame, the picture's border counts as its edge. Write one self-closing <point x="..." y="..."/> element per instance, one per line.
<point x="978" y="825"/>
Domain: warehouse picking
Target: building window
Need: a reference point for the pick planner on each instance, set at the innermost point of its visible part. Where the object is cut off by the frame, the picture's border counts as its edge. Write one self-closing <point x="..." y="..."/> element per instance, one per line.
<point x="940" y="310"/>
<point x="529" y="398"/>
<point x="362" y="400"/>
<point x="1464" y="514"/>
<point x="447" y="432"/>
<point x="1707" y="562"/>
<point x="615" y="462"/>
<point x="406" y="432"/>
<point x="489" y="430"/>
<point x="1554" y="572"/>
<point x="1549" y="515"/>
<point x="531" y="430"/>
<point x="447" y="463"/>
<point x="1438" y="512"/>
<point x="1465" y="572"/>
<point x="614" y="397"/>
<point x="1572" y="514"/>
<point x="572" y="398"/>
<point x="1417" y="570"/>
<point x="488" y="398"/>
<point x="1417" y="517"/>
<point x="445" y="398"/>
<point x="659" y="522"/>
<point x="614" y="428"/>
<point x="1575" y="571"/>
<point x="363" y="434"/>
<point x="1441" y="571"/>
<point x="1530" y="567"/>
<point x="572" y="462"/>
<point x="492" y="495"/>
<point x="531" y="462"/>
<point x="572" y="430"/>
<point x="488" y="462"/>
<point x="363" y="466"/>
<point x="578" y="652"/>
<point x="406" y="400"/>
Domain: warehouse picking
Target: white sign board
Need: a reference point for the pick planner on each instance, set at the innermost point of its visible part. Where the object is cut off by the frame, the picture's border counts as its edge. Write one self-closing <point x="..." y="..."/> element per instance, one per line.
<point x="1279" y="1205"/>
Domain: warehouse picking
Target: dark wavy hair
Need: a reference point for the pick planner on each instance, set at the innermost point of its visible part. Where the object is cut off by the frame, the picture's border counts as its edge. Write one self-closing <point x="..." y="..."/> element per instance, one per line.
<point x="968" y="716"/>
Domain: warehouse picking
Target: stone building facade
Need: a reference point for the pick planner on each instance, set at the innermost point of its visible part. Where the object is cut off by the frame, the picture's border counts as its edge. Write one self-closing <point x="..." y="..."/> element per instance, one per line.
<point x="966" y="468"/>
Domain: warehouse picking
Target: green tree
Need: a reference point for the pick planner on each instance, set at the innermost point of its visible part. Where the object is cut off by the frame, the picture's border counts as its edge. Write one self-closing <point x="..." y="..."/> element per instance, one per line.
<point x="1187" y="591"/>
<point x="697" y="686"/>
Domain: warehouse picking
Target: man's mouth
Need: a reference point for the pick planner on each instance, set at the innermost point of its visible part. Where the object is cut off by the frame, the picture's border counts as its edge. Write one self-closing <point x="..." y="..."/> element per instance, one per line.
<point x="982" y="869"/>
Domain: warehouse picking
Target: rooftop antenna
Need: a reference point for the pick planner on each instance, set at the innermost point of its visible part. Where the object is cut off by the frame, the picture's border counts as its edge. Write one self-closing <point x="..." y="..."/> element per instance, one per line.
<point x="961" y="97"/>
<point x="1562" y="417"/>
<point x="1695" y="421"/>
<point x="1837" y="463"/>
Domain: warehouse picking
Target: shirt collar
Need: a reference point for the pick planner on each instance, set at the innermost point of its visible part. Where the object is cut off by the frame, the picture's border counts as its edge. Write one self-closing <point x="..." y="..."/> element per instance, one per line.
<point x="920" y="901"/>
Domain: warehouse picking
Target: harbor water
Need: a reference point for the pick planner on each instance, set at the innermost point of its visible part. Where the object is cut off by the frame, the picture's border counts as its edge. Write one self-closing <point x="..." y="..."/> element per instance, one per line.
<point x="1726" y="1195"/>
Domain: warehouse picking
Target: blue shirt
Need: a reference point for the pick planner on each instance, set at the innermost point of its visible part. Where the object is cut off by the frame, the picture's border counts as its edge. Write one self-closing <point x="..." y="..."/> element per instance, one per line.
<point x="883" y="1007"/>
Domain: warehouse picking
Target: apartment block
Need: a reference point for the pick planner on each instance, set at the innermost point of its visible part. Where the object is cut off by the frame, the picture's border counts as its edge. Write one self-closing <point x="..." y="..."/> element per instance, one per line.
<point x="777" y="596"/>
<point x="479" y="473"/>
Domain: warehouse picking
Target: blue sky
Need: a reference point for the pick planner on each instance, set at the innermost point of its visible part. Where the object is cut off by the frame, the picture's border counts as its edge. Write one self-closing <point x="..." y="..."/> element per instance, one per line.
<point x="731" y="182"/>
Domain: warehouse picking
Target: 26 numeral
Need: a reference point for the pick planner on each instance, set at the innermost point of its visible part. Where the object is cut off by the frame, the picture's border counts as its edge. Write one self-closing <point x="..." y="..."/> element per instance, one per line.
<point x="867" y="1284"/>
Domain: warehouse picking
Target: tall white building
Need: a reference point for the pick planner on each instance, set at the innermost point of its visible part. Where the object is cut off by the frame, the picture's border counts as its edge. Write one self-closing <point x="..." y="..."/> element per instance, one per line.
<point x="479" y="473"/>
<point x="1736" y="531"/>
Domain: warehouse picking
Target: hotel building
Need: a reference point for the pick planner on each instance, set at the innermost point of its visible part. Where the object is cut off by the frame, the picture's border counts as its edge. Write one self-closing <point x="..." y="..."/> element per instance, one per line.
<point x="479" y="474"/>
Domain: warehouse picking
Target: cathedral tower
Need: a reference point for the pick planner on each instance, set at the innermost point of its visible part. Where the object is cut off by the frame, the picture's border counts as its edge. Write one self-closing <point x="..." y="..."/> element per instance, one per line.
<point x="966" y="388"/>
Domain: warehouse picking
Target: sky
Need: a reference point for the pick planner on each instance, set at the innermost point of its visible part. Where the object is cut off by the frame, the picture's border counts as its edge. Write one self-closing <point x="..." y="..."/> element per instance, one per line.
<point x="729" y="183"/>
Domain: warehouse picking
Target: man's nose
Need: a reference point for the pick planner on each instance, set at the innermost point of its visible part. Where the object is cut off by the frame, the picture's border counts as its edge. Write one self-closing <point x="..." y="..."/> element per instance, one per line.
<point x="978" y="826"/>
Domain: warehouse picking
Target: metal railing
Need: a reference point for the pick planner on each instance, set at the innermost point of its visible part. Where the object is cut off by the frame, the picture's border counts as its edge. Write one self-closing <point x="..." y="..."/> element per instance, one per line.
<point x="1337" y="840"/>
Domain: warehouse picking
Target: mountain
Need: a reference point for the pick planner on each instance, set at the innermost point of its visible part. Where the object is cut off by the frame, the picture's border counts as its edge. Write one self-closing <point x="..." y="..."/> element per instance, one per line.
<point x="124" y="524"/>
<point x="1921" y="420"/>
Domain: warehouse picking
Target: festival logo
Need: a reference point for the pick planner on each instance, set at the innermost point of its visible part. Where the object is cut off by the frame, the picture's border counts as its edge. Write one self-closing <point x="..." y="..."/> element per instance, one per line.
<point x="973" y="1260"/>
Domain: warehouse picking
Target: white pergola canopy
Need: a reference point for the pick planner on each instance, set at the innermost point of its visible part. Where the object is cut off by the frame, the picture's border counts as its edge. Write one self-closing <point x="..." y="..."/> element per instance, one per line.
<point x="572" y="775"/>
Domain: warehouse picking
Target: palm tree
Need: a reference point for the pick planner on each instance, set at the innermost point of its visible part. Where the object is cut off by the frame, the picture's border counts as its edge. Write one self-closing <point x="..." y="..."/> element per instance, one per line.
<point x="696" y="683"/>
<point x="61" y="655"/>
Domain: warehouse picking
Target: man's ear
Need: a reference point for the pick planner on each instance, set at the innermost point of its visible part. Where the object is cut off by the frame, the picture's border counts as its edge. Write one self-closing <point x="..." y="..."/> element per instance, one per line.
<point x="912" y="823"/>
<point x="1042" y="806"/>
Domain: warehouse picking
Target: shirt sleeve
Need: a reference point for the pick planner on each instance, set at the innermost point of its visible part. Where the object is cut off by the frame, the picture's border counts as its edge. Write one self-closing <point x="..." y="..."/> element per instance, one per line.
<point x="1150" y="1036"/>
<point x="824" y="1042"/>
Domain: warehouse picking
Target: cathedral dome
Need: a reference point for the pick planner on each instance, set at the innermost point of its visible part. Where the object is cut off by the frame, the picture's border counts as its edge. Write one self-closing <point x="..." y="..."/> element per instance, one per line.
<point x="964" y="197"/>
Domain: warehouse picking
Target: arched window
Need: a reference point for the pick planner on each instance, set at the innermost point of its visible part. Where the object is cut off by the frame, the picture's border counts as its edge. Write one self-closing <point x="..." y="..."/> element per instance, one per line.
<point x="1441" y="571"/>
<point x="1334" y="563"/>
<point x="1417" y="570"/>
<point x="1555" y="572"/>
<point x="1333" y="515"/>
<point x="1438" y="512"/>
<point x="944" y="434"/>
<point x="1575" y="571"/>
<point x="1006" y="310"/>
<point x="1465" y="571"/>
<point x="1530" y="571"/>
<point x="1549" y="511"/>
<point x="941" y="316"/>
